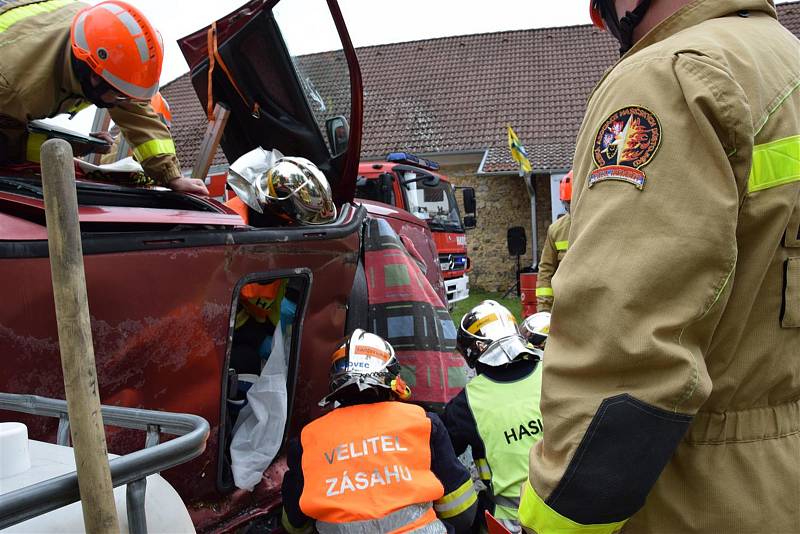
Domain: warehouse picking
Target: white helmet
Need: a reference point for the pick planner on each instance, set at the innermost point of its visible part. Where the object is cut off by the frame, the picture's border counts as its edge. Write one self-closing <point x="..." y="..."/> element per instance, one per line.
<point x="364" y="366"/>
<point x="535" y="329"/>
<point x="488" y="334"/>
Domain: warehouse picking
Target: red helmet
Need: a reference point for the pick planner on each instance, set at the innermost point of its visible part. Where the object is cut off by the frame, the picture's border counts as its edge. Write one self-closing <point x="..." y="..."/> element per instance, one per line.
<point x="565" y="190"/>
<point x="121" y="46"/>
<point x="594" y="13"/>
<point x="161" y="107"/>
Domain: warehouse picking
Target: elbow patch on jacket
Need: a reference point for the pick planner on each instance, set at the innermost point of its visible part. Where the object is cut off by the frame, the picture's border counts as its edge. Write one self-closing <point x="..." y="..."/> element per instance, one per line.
<point x="623" y="452"/>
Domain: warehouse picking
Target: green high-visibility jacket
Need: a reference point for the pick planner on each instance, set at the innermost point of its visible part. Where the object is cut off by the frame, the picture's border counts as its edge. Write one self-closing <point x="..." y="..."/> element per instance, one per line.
<point x="508" y="422"/>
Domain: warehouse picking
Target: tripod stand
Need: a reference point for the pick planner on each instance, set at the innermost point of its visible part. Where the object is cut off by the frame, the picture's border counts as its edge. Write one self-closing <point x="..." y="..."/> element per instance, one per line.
<point x="517" y="245"/>
<point x="516" y="282"/>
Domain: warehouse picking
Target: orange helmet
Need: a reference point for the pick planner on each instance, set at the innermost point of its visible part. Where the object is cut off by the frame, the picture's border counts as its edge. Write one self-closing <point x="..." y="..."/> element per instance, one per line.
<point x="160" y="106"/>
<point x="565" y="189"/>
<point x="121" y="46"/>
<point x="594" y="13"/>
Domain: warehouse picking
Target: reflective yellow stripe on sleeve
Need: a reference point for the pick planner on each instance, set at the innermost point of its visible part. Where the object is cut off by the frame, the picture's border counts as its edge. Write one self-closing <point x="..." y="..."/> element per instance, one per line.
<point x="291" y="529"/>
<point x="536" y="515"/>
<point x="544" y="291"/>
<point x="456" y="501"/>
<point x="154" y="147"/>
<point x="776" y="163"/>
<point x="483" y="469"/>
<point x="562" y="245"/>
<point x="33" y="147"/>
<point x="16" y="14"/>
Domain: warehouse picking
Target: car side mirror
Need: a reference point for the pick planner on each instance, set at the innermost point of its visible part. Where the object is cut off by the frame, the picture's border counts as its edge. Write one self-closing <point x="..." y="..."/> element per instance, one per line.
<point x="427" y="179"/>
<point x="430" y="181"/>
<point x="469" y="222"/>
<point x="338" y="131"/>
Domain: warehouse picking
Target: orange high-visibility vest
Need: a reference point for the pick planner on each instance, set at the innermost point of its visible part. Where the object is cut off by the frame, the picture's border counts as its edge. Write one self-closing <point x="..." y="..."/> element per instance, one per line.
<point x="239" y="207"/>
<point x="261" y="302"/>
<point x="369" y="462"/>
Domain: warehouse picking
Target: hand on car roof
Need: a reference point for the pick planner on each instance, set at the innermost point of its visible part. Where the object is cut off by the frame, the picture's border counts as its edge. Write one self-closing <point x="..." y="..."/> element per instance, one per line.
<point x="188" y="185"/>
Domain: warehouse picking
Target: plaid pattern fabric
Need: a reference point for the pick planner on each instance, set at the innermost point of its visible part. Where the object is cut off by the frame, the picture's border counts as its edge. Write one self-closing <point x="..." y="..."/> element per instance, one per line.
<point x="406" y="311"/>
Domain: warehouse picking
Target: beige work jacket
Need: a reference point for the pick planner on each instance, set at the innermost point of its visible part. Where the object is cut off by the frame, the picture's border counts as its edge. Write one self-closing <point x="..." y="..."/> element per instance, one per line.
<point x="37" y="81"/>
<point x="671" y="386"/>
<point x="555" y="247"/>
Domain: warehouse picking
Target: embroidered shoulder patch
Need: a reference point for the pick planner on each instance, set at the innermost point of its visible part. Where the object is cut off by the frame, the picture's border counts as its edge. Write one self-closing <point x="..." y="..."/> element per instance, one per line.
<point x="625" y="143"/>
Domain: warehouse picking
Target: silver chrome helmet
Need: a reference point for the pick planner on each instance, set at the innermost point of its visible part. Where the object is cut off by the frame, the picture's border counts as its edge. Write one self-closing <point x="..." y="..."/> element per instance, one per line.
<point x="364" y="366"/>
<point x="535" y="329"/>
<point x="488" y="334"/>
<point x="296" y="188"/>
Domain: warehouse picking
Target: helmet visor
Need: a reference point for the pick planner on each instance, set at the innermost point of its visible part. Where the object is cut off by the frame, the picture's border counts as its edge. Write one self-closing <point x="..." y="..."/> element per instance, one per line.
<point x="505" y="351"/>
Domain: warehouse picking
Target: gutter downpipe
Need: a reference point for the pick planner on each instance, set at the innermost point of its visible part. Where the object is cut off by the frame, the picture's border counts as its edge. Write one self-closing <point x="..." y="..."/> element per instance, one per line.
<point x="534" y="231"/>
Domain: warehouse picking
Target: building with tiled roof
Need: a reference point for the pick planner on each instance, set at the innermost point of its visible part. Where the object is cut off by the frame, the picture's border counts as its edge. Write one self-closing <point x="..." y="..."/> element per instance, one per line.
<point x="450" y="99"/>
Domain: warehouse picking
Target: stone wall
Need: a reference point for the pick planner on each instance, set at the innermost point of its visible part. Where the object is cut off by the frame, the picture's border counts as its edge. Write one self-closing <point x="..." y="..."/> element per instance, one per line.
<point x="502" y="202"/>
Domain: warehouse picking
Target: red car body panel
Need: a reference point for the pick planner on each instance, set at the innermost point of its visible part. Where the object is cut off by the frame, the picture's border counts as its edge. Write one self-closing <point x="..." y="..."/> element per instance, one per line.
<point x="118" y="214"/>
<point x="169" y="353"/>
<point x="416" y="236"/>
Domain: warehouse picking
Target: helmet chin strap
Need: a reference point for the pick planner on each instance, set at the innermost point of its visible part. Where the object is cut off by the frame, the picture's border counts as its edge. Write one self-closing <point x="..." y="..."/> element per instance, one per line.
<point x="623" y="28"/>
<point x="629" y="23"/>
<point x="84" y="74"/>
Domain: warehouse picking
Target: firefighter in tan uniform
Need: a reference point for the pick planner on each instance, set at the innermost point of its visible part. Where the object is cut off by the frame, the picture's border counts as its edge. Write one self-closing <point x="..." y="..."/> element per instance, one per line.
<point x="555" y="247"/>
<point x="671" y="387"/>
<point x="120" y="148"/>
<point x="60" y="56"/>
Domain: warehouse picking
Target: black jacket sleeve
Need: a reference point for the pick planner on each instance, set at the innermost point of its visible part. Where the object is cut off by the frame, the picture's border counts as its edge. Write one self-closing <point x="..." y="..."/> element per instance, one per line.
<point x="459" y="502"/>
<point x="461" y="426"/>
<point x="292" y="489"/>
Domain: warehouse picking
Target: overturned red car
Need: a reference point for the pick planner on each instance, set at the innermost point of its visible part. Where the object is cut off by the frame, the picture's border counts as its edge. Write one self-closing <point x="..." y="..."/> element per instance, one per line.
<point x="165" y="271"/>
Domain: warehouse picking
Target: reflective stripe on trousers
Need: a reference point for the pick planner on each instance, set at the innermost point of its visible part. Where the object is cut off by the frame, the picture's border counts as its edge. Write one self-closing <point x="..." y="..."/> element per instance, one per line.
<point x="512" y="525"/>
<point x="396" y="521"/>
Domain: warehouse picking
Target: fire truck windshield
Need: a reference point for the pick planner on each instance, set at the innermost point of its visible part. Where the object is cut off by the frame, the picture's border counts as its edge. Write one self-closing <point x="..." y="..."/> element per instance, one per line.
<point x="435" y="204"/>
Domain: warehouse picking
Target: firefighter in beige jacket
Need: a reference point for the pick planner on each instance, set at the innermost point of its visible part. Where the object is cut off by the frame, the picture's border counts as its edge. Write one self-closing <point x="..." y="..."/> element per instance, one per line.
<point x="671" y="387"/>
<point x="555" y="247"/>
<point x="57" y="56"/>
<point x="553" y="251"/>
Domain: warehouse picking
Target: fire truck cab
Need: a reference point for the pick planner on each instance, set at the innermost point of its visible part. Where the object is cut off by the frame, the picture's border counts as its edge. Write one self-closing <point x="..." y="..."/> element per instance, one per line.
<point x="413" y="184"/>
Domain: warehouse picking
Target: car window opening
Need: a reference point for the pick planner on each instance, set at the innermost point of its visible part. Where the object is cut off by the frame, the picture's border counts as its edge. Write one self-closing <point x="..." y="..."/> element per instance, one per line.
<point x="263" y="347"/>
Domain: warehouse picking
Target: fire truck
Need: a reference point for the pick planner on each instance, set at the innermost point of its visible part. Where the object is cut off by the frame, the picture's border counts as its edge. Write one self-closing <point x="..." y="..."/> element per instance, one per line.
<point x="412" y="183"/>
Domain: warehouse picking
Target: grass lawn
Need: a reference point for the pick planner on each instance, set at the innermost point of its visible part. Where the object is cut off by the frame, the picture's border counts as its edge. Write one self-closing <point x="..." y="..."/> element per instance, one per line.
<point x="476" y="296"/>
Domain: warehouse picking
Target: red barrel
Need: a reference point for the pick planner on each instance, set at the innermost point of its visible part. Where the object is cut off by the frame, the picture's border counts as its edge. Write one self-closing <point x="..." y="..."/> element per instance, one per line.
<point x="527" y="285"/>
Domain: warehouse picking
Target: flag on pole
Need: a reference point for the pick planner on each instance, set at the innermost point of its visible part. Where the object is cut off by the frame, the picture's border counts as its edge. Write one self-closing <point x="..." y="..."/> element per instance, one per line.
<point x="518" y="152"/>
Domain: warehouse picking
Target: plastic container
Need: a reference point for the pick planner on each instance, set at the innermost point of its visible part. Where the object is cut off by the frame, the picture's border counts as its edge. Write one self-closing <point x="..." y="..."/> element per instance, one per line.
<point x="26" y="462"/>
<point x="527" y="285"/>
